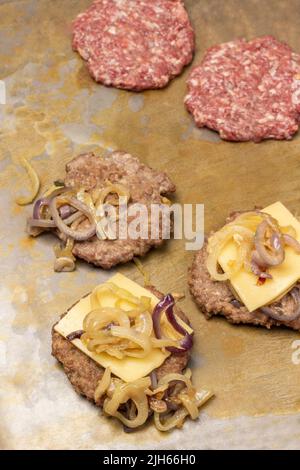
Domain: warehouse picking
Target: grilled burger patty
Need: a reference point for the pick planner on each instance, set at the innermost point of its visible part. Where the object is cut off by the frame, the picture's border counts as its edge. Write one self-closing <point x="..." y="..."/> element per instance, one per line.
<point x="85" y="374"/>
<point x="216" y="298"/>
<point x="146" y="186"/>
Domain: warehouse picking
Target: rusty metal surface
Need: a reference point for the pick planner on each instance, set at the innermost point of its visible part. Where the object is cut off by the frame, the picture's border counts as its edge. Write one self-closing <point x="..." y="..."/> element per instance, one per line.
<point x="54" y="111"/>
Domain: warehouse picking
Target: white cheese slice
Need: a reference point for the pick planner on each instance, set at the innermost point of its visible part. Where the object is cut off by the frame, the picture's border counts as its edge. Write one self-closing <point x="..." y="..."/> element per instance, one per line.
<point x="128" y="368"/>
<point x="285" y="276"/>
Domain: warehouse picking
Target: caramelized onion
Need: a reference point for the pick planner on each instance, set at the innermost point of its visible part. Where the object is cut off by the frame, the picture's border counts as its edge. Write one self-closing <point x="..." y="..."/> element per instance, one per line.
<point x="189" y="399"/>
<point x="34" y="180"/>
<point x="66" y="211"/>
<point x="134" y="391"/>
<point x="103" y="385"/>
<point x="119" y="189"/>
<point x="292" y="242"/>
<point x="116" y="331"/>
<point x="243" y="236"/>
<point x="260" y="242"/>
<point x="161" y="307"/>
<point x="63" y="209"/>
<point x="144" y="324"/>
<point x="78" y="235"/>
<point x="153" y="377"/>
<point x="274" y="254"/>
<point x="258" y="267"/>
<point x="190" y="404"/>
<point x="64" y="264"/>
<point x="73" y="218"/>
<point x="40" y="223"/>
<point x="185" y="345"/>
<point x="141" y="343"/>
<point x="131" y="402"/>
<point x="280" y="312"/>
<point x="166" y="305"/>
<point x="126" y="329"/>
<point x="75" y="335"/>
<point x="65" y="261"/>
<point x="38" y="207"/>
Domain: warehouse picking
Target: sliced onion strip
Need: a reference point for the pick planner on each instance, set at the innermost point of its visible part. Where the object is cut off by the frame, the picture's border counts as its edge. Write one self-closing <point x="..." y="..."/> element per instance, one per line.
<point x="176" y="419"/>
<point x="103" y="385"/>
<point x="34" y="180"/>
<point x="40" y="223"/>
<point x="274" y="254"/>
<point x="285" y="317"/>
<point x="142" y="342"/>
<point x="134" y="391"/>
<point x="81" y="235"/>
<point x="260" y="245"/>
<point x="292" y="242"/>
<point x="166" y="305"/>
<point x="216" y="245"/>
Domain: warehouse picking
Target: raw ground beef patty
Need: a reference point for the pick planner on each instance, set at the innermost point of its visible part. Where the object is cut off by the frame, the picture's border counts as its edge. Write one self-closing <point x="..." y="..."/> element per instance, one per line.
<point x="216" y="298"/>
<point x="146" y="186"/>
<point x="247" y="90"/>
<point x="134" y="44"/>
<point x="85" y="374"/>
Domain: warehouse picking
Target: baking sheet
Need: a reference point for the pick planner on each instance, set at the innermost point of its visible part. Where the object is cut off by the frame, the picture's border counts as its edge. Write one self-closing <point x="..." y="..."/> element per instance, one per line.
<point x="55" y="111"/>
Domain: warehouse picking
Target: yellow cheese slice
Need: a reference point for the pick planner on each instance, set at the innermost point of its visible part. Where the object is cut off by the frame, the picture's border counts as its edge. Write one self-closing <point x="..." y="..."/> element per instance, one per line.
<point x="285" y="276"/>
<point x="128" y="368"/>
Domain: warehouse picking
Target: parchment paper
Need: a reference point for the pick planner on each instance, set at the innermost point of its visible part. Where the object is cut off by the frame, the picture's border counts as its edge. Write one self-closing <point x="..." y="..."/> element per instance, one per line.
<point x="54" y="111"/>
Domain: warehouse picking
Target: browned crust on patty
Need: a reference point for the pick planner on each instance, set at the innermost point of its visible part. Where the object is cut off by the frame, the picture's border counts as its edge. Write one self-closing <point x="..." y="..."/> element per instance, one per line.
<point x="85" y="374"/>
<point x="215" y="298"/>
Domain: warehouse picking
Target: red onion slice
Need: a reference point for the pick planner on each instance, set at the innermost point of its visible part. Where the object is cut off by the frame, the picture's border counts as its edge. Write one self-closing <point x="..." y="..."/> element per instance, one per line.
<point x="274" y="258"/>
<point x="257" y="266"/>
<point x="66" y="211"/>
<point x="41" y="223"/>
<point x="294" y="315"/>
<point x="39" y="204"/>
<point x="276" y="241"/>
<point x="292" y="242"/>
<point x="73" y="218"/>
<point x="281" y="317"/>
<point x="167" y="301"/>
<point x="166" y="305"/>
<point x="172" y="319"/>
<point x="75" y="335"/>
<point x="185" y="345"/>
<point x="45" y="202"/>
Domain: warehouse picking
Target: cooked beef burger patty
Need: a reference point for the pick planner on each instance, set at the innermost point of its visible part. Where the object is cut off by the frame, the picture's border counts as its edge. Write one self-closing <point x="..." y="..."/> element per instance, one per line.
<point x="247" y="90"/>
<point x="134" y="44"/>
<point x="89" y="180"/>
<point x="146" y="186"/>
<point x="216" y="298"/>
<point x="85" y="374"/>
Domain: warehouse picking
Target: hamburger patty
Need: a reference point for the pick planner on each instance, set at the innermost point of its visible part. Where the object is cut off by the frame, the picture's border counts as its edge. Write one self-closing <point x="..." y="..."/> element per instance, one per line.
<point x="216" y="298"/>
<point x="134" y="44"/>
<point x="247" y="90"/>
<point x="146" y="186"/>
<point x="85" y="374"/>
